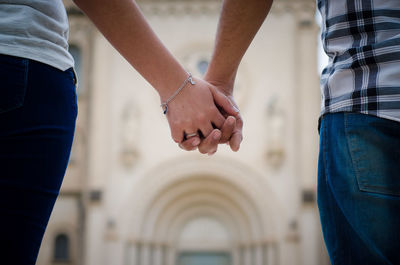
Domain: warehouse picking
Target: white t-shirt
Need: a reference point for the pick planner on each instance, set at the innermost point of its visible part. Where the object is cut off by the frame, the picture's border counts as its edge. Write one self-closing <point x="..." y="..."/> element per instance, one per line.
<point x="37" y="30"/>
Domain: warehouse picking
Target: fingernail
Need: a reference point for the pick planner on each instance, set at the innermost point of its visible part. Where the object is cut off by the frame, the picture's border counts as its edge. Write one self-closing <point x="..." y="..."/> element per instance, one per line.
<point x="196" y="142"/>
<point x="235" y="108"/>
<point x="231" y="120"/>
<point x="217" y="135"/>
<point x="237" y="148"/>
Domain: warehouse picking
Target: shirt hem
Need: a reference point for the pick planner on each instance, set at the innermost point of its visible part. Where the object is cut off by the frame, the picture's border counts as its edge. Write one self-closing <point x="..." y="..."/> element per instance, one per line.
<point x="37" y="56"/>
<point x="388" y="117"/>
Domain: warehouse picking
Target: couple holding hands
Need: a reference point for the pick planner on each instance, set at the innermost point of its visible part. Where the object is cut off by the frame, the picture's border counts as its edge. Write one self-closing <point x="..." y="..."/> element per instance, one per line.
<point x="201" y="113"/>
<point x="358" y="172"/>
<point x="359" y="159"/>
<point x="38" y="106"/>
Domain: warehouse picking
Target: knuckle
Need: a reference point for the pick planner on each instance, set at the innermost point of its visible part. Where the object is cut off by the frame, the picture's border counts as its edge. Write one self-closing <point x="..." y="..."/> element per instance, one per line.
<point x="201" y="117"/>
<point x="176" y="138"/>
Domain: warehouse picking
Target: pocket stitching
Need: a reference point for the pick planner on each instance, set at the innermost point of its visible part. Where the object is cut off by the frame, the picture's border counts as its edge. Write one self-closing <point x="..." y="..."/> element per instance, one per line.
<point x="362" y="185"/>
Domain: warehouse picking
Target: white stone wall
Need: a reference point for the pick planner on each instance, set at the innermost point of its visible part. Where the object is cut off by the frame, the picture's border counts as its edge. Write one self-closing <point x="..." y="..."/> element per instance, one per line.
<point x="150" y="190"/>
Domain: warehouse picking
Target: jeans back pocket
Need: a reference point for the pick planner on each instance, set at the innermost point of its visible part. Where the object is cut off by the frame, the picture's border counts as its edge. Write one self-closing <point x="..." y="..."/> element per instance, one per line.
<point x="374" y="145"/>
<point x="13" y="82"/>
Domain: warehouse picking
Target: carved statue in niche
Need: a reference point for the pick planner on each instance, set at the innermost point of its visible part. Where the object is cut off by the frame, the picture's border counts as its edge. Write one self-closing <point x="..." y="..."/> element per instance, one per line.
<point x="129" y="134"/>
<point x="276" y="133"/>
<point x="111" y="230"/>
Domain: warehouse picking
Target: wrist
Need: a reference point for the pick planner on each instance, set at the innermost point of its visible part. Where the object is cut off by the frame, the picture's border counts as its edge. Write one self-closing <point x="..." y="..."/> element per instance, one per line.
<point x="172" y="81"/>
<point x="188" y="80"/>
<point x="223" y="83"/>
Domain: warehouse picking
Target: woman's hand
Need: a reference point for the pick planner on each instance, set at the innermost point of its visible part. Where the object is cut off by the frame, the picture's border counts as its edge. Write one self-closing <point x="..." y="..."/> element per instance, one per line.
<point x="194" y="110"/>
<point x="231" y="130"/>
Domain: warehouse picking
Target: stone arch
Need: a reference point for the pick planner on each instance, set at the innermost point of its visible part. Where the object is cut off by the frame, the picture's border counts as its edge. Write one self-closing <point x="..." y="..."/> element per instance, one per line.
<point x="225" y="210"/>
<point x="179" y="191"/>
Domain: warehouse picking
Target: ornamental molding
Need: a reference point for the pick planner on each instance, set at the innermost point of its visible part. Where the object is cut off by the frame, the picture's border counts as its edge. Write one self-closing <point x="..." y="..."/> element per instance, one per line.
<point x="296" y="7"/>
<point x="179" y="7"/>
<point x="213" y="7"/>
<point x="205" y="7"/>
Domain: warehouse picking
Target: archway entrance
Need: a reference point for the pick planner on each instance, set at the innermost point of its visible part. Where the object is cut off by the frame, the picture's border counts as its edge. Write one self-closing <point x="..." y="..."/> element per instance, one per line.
<point x="201" y="258"/>
<point x="204" y="240"/>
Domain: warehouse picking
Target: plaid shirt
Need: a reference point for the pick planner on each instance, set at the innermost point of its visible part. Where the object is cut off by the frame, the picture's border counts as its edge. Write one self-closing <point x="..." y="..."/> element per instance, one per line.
<point x="362" y="40"/>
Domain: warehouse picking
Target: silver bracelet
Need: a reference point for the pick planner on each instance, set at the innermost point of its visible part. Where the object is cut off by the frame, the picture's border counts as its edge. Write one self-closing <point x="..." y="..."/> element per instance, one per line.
<point x="164" y="105"/>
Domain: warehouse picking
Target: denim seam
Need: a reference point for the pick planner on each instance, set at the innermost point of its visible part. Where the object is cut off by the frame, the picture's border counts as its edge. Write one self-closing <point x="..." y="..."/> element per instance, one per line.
<point x="73" y="77"/>
<point x="325" y="162"/>
<point x="324" y="153"/>
<point x="323" y="134"/>
<point x="355" y="171"/>
<point x="328" y="183"/>
<point x="74" y="100"/>
<point x="26" y="77"/>
<point x="327" y="176"/>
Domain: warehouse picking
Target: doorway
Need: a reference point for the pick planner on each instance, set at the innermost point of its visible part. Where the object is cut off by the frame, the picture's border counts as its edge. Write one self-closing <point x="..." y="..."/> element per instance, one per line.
<point x="201" y="258"/>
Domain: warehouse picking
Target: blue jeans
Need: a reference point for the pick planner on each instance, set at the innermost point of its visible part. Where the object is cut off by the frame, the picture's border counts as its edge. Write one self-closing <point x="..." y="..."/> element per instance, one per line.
<point x="359" y="189"/>
<point x="38" y="110"/>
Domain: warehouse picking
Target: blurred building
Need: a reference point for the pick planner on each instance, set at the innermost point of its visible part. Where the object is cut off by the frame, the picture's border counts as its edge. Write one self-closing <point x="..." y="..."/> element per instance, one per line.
<point x="132" y="197"/>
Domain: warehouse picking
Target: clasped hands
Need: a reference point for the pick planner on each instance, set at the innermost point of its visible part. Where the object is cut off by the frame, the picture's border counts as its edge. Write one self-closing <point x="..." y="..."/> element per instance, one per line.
<point x="205" y="115"/>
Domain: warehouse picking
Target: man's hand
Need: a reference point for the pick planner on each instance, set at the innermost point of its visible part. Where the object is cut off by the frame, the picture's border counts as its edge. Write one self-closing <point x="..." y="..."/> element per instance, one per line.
<point x="238" y="24"/>
<point x="230" y="132"/>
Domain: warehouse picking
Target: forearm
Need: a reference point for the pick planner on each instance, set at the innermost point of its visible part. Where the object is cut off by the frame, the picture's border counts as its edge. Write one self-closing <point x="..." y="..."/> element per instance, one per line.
<point x="239" y="22"/>
<point x="122" y="23"/>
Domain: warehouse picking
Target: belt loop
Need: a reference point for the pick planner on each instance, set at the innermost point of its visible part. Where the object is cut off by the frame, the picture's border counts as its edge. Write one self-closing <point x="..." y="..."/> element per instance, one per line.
<point x="75" y="78"/>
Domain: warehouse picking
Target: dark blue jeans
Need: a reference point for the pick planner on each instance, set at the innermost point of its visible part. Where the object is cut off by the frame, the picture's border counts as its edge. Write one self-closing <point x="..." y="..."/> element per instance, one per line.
<point x="37" y="120"/>
<point x="359" y="189"/>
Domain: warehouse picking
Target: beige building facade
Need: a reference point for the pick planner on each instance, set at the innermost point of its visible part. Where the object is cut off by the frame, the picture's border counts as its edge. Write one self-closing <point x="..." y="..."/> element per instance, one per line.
<point x="132" y="197"/>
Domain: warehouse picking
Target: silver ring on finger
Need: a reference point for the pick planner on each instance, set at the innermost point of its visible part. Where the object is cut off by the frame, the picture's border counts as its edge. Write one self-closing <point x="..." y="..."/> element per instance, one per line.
<point x="191" y="135"/>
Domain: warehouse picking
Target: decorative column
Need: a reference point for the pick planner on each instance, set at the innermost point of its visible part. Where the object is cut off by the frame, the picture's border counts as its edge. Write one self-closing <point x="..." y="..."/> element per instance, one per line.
<point x="114" y="252"/>
<point x="247" y="255"/>
<point x="94" y="245"/>
<point x="157" y="255"/>
<point x="131" y="254"/>
<point x="258" y="254"/>
<point x="170" y="255"/>
<point x="271" y="255"/>
<point x="145" y="254"/>
<point x="309" y="109"/>
<point x="236" y="256"/>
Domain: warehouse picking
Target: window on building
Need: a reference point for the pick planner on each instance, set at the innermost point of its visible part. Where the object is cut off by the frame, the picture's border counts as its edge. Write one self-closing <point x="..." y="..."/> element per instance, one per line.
<point x="61" y="248"/>
<point x="202" y="66"/>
